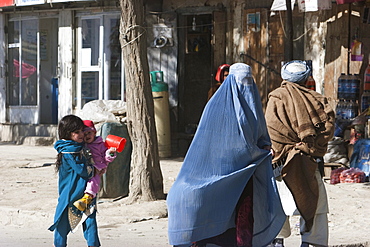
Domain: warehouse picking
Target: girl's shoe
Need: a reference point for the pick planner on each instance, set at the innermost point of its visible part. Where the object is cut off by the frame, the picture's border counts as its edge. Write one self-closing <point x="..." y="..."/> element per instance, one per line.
<point x="82" y="203"/>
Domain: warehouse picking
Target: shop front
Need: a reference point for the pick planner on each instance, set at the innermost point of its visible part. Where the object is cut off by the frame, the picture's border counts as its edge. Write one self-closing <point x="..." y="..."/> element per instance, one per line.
<point x="57" y="56"/>
<point x="31" y="65"/>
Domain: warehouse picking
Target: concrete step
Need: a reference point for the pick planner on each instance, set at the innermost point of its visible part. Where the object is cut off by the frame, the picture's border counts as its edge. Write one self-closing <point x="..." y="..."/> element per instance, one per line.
<point x="38" y="140"/>
<point x="20" y="133"/>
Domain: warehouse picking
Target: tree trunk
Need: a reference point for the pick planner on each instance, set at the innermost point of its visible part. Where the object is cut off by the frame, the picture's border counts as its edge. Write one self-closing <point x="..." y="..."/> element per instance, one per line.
<point x="146" y="181"/>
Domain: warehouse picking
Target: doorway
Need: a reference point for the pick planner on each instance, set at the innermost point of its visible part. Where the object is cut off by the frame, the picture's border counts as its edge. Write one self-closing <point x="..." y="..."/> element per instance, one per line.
<point x="48" y="34"/>
<point x="195" y="70"/>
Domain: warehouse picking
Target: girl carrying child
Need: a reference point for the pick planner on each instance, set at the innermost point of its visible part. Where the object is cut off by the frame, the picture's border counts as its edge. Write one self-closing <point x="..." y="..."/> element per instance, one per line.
<point x="74" y="169"/>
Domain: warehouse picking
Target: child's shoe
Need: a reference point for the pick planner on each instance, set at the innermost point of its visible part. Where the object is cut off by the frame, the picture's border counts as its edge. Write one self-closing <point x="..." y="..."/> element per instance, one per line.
<point x="82" y="203"/>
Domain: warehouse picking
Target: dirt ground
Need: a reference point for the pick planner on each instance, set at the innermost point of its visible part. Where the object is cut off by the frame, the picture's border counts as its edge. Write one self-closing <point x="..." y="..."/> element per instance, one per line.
<point x="28" y="196"/>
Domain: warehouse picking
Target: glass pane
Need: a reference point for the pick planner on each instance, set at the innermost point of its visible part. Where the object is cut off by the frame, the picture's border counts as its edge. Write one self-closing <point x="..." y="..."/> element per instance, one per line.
<point x="115" y="60"/>
<point x="13" y="34"/>
<point x="27" y="68"/>
<point x="13" y="79"/>
<point x="90" y="40"/>
<point x="89" y="86"/>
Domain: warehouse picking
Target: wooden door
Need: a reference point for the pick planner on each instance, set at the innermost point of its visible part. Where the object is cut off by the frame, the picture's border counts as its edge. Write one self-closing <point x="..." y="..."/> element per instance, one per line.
<point x="264" y="49"/>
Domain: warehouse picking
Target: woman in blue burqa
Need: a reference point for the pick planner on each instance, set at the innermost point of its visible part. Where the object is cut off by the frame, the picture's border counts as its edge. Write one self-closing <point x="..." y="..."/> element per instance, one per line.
<point x="225" y="192"/>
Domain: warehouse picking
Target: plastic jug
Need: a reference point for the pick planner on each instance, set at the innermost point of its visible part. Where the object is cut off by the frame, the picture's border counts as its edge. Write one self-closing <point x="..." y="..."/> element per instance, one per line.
<point x="341" y="85"/>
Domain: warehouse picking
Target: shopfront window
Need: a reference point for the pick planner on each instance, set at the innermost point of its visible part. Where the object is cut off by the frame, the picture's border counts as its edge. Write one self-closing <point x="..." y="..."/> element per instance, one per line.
<point x="22" y="51"/>
<point x="90" y="41"/>
<point x="99" y="59"/>
<point x="90" y="86"/>
<point x="115" y="61"/>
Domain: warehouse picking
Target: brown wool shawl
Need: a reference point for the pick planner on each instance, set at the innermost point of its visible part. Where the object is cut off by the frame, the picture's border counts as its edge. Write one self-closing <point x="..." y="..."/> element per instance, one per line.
<point x="300" y="122"/>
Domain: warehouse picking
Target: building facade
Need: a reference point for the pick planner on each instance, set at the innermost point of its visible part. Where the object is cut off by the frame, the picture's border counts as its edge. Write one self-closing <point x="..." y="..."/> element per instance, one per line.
<point x="55" y="55"/>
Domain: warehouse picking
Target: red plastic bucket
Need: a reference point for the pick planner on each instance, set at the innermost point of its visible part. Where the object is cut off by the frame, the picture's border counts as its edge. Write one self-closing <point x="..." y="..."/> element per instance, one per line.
<point x="112" y="141"/>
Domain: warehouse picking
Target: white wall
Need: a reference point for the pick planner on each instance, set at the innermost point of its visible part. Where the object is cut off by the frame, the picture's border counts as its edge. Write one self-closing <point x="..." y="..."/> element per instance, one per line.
<point x="314" y="47"/>
<point x="65" y="55"/>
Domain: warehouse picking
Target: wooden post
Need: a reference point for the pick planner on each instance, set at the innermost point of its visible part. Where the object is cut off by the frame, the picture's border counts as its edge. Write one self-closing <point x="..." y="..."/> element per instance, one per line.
<point x="349" y="38"/>
<point x="289" y="31"/>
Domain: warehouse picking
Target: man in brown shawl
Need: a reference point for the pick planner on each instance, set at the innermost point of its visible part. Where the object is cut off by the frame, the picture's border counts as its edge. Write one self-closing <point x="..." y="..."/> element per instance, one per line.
<point x="300" y="123"/>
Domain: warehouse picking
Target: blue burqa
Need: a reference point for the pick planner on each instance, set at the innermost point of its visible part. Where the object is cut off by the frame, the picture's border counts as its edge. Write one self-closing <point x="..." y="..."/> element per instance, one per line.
<point x="225" y="153"/>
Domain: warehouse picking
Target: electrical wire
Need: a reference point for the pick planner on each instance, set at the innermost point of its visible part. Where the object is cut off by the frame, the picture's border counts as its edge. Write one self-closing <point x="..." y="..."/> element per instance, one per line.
<point x="125" y="36"/>
<point x="299" y="37"/>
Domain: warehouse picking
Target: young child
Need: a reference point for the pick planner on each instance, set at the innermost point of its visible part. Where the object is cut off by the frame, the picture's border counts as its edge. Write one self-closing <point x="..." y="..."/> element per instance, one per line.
<point x="102" y="156"/>
<point x="221" y="74"/>
<point x="74" y="170"/>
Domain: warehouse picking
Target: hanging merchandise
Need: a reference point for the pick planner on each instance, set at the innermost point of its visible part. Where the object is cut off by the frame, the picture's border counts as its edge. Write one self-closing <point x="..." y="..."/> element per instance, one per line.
<point x="356" y="51"/>
<point x="194" y="25"/>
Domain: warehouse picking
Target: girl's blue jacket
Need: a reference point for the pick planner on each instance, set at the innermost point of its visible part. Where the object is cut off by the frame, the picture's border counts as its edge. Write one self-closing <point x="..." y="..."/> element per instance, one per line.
<point x="74" y="172"/>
